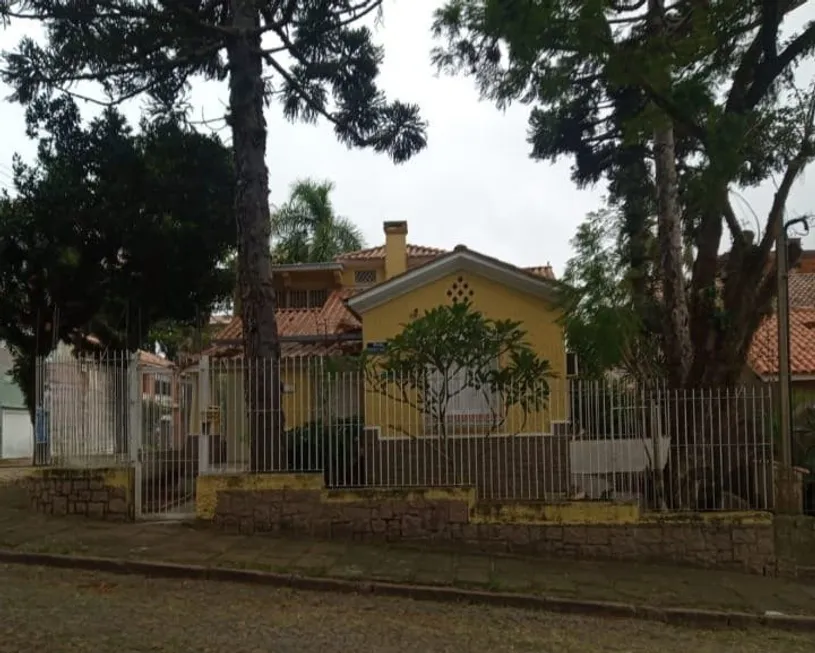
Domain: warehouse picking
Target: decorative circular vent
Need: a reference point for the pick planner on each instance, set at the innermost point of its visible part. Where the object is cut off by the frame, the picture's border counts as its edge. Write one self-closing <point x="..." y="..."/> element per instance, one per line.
<point x="460" y="290"/>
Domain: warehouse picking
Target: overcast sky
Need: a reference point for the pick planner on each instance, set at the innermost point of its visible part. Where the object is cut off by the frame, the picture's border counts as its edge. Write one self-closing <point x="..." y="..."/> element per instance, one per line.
<point x="474" y="184"/>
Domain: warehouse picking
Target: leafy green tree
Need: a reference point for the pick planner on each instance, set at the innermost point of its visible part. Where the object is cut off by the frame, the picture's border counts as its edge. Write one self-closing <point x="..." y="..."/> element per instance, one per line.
<point x="110" y="233"/>
<point x="674" y="105"/>
<point x="307" y="230"/>
<point x="604" y="326"/>
<point x="451" y="350"/>
<point x="315" y="56"/>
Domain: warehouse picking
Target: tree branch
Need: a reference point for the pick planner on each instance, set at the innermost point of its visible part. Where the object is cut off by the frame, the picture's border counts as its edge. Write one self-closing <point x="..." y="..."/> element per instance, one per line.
<point x="794" y="168"/>
<point x="731" y="220"/>
<point x="754" y="76"/>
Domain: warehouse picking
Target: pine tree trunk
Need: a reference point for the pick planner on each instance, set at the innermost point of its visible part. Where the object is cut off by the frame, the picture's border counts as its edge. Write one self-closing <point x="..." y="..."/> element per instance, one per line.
<point x="678" y="346"/>
<point x="262" y="385"/>
<point x="676" y="315"/>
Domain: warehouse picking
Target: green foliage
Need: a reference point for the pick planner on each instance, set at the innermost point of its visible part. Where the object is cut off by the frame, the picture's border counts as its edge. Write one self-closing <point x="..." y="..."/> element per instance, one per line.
<point x="452" y="349"/>
<point x="176" y="337"/>
<point x="110" y="233"/>
<point x="322" y="59"/>
<point x="316" y="57"/>
<point x="306" y="230"/>
<point x="330" y="446"/>
<point x="600" y="76"/>
<point x="603" y="324"/>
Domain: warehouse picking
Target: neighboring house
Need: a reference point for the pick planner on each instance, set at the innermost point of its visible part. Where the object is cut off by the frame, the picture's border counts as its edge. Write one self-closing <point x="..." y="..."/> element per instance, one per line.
<point x="364" y="298"/>
<point x="161" y="413"/>
<point x="16" y="431"/>
<point x="763" y="355"/>
<point x="86" y="401"/>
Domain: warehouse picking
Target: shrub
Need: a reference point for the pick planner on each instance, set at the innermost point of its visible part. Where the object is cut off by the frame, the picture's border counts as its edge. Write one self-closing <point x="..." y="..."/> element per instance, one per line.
<point x="331" y="446"/>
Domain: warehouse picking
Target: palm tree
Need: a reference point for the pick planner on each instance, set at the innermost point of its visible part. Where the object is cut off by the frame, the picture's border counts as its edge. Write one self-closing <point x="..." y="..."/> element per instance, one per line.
<point x="306" y="230"/>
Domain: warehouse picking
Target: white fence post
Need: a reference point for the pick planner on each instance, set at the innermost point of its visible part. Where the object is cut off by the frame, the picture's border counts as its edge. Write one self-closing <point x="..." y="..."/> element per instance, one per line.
<point x="134" y="383"/>
<point x="203" y="410"/>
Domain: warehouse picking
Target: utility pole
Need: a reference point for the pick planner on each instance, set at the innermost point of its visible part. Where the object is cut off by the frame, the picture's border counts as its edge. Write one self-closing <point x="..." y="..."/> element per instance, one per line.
<point x="781" y="255"/>
<point x="782" y="262"/>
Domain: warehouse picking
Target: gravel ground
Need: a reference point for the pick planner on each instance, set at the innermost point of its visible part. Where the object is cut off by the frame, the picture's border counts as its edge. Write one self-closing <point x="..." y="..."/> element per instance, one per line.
<point x="60" y="611"/>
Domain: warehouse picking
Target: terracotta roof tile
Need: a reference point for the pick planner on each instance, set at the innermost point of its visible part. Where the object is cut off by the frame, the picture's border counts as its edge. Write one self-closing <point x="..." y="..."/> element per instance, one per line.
<point x="154" y="360"/>
<point x="763" y="355"/>
<point x="544" y="271"/>
<point x="373" y="253"/>
<point x="332" y="319"/>
<point x="294" y="349"/>
<point x="802" y="290"/>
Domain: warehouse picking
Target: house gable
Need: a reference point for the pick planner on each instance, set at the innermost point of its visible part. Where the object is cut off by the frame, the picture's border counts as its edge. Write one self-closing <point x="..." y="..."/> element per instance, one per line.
<point x="460" y="260"/>
<point x="489" y="293"/>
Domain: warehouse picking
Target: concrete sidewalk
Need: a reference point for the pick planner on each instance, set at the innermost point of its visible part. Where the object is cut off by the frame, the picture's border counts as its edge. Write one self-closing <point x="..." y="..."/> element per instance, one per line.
<point x="658" y="586"/>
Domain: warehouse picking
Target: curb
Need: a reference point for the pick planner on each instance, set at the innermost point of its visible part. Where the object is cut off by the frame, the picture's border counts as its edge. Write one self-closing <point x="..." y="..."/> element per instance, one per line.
<point x="672" y="616"/>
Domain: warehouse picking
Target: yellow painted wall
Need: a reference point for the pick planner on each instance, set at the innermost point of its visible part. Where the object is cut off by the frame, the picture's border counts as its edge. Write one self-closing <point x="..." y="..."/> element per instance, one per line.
<point x="378" y="265"/>
<point x="227" y="392"/>
<point x="539" y="319"/>
<point x="569" y="512"/>
<point x="207" y="487"/>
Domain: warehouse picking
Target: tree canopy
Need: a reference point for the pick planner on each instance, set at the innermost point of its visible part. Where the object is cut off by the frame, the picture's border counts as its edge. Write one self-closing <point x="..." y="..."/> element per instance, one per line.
<point x="111" y="231"/>
<point x="673" y="104"/>
<point x="316" y="57"/>
<point x="602" y="323"/>
<point x="307" y="230"/>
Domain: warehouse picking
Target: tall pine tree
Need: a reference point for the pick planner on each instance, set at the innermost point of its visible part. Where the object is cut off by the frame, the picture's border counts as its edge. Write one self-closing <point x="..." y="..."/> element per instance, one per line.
<point x="315" y="56"/>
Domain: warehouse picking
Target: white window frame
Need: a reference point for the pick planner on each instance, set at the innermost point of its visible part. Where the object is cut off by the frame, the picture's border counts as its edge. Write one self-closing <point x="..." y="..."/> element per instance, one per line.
<point x="469" y="408"/>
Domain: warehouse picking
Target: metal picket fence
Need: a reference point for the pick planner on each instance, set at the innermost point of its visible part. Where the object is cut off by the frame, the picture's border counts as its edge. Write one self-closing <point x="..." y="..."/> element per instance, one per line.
<point x="534" y="440"/>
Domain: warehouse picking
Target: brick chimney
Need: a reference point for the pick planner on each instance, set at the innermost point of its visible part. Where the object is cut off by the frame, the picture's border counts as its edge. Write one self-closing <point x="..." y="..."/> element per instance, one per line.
<point x="395" y="248"/>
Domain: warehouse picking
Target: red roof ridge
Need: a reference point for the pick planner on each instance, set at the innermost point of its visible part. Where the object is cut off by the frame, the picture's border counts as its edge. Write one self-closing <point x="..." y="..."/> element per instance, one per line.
<point x="545" y="271"/>
<point x="332" y="319"/>
<point x="414" y="251"/>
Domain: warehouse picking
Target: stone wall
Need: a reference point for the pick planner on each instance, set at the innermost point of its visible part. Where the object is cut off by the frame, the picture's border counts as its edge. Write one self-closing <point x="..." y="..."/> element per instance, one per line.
<point x="450" y="517"/>
<point x="520" y="467"/>
<point x="105" y="493"/>
<point x="795" y="544"/>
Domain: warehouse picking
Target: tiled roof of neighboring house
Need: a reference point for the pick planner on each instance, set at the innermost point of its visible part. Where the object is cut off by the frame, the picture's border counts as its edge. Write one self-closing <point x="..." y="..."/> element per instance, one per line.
<point x="294" y="349"/>
<point x="802" y="290"/>
<point x="145" y="357"/>
<point x="419" y="251"/>
<point x="544" y="271"/>
<point x="763" y="355"/>
<point x="373" y="253"/>
<point x="154" y="360"/>
<point x="332" y="319"/>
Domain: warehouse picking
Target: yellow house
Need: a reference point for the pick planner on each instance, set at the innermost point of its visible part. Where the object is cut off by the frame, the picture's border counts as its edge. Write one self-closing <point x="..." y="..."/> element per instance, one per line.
<point x="496" y="289"/>
<point x="359" y="301"/>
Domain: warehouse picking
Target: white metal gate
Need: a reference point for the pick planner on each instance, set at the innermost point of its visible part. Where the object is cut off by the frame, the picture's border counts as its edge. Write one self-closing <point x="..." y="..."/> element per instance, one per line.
<point x="166" y="453"/>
